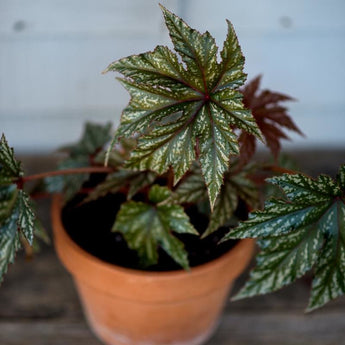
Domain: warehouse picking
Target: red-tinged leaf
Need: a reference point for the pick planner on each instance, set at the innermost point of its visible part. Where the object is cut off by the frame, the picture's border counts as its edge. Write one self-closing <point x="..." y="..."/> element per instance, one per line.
<point x="273" y="135"/>
<point x="247" y="147"/>
<point x="270" y="117"/>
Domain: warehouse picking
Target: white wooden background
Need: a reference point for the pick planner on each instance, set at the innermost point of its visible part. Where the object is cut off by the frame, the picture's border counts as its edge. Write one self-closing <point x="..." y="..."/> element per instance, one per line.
<point x="52" y="54"/>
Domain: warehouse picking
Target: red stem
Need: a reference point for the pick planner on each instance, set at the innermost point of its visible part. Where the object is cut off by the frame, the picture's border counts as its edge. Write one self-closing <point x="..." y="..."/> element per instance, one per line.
<point x="95" y="170"/>
<point x="170" y="179"/>
<point x="278" y="169"/>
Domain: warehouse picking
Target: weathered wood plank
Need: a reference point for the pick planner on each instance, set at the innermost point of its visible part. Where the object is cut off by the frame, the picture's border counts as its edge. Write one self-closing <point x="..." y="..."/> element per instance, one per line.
<point x="46" y="333"/>
<point x="283" y="328"/>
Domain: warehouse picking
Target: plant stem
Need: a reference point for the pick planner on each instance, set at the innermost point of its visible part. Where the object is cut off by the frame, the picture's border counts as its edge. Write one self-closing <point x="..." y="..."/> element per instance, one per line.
<point x="95" y="170"/>
<point x="170" y="183"/>
<point x="278" y="169"/>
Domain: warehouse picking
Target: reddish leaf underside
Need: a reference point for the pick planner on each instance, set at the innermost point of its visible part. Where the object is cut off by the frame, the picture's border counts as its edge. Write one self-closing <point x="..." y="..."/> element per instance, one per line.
<point x="270" y="116"/>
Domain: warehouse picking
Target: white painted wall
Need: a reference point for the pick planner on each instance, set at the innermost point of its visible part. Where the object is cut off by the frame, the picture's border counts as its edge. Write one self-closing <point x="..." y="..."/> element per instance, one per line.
<point x="52" y="54"/>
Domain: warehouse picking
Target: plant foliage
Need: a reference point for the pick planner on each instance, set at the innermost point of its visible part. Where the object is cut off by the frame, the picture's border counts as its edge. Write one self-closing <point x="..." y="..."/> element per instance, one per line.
<point x="185" y="111"/>
<point x="16" y="214"/>
<point x="302" y="233"/>
<point x="146" y="226"/>
<point x="270" y="116"/>
<point x="237" y="186"/>
<point x="81" y="154"/>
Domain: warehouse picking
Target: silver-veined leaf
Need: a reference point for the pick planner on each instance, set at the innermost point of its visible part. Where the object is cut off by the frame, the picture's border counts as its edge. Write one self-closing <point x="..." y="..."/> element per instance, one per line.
<point x="9" y="241"/>
<point x="147" y="226"/>
<point x="10" y="168"/>
<point x="304" y="232"/>
<point x="183" y="111"/>
<point x="114" y="182"/>
<point x="237" y="185"/>
<point x="26" y="220"/>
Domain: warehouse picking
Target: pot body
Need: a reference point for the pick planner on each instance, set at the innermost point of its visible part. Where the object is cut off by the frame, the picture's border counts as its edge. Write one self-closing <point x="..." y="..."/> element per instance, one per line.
<point x="130" y="307"/>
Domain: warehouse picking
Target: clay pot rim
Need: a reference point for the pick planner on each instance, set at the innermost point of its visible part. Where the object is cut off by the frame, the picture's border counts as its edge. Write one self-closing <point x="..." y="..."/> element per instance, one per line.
<point x="157" y="275"/>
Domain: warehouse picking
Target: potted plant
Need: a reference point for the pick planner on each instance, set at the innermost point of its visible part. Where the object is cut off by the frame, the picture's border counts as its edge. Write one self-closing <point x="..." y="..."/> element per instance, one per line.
<point x="152" y="237"/>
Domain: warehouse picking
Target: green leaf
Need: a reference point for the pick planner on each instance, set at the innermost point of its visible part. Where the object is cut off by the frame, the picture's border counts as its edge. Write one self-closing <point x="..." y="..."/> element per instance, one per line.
<point x="184" y="111"/>
<point x="192" y="188"/>
<point x="8" y="197"/>
<point x="282" y="260"/>
<point x="199" y="52"/>
<point x="114" y="182"/>
<point x="80" y="154"/>
<point x="18" y="219"/>
<point x="329" y="281"/>
<point x="147" y="226"/>
<point x="116" y="157"/>
<point x="16" y="214"/>
<point x="341" y="177"/>
<point x="237" y="184"/>
<point x="10" y="168"/>
<point x="9" y="241"/>
<point x="26" y="221"/>
<point x="231" y="69"/>
<point x="278" y="218"/>
<point x="94" y="137"/>
<point x="304" y="232"/>
<point x="68" y="184"/>
<point x="158" y="194"/>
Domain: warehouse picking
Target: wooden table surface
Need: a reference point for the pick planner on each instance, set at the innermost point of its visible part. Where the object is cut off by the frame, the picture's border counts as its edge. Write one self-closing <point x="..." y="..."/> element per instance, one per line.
<point x="39" y="306"/>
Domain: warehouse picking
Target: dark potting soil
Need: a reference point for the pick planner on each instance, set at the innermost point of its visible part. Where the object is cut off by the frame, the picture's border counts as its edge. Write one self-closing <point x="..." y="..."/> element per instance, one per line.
<point x="89" y="225"/>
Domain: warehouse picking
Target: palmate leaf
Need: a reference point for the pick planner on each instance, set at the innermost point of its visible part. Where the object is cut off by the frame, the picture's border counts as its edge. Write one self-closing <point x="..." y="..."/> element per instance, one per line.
<point x="19" y="221"/>
<point x="183" y="111"/>
<point x="271" y="117"/>
<point x="302" y="233"/>
<point x="9" y="241"/>
<point x="17" y="217"/>
<point x="10" y="168"/>
<point x="237" y="185"/>
<point x="94" y="137"/>
<point x="146" y="226"/>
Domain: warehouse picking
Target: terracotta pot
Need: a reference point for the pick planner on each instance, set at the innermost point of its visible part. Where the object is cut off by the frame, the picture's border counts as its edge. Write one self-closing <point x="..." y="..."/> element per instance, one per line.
<point x="130" y="307"/>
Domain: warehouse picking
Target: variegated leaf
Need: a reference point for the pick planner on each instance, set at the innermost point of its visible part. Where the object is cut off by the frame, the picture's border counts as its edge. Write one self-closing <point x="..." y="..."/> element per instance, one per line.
<point x="303" y="232"/>
<point x="8" y="198"/>
<point x="114" y="182"/>
<point x="80" y="154"/>
<point x="279" y="217"/>
<point x="10" y="168"/>
<point x="282" y="260"/>
<point x="26" y="220"/>
<point x="224" y="208"/>
<point x="9" y="241"/>
<point x="16" y="214"/>
<point x="341" y="177"/>
<point x="185" y="111"/>
<point x="68" y="184"/>
<point x="329" y="279"/>
<point x="192" y="188"/>
<point x="146" y="226"/>
<point x="94" y="137"/>
<point x="17" y="220"/>
<point x="237" y="184"/>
